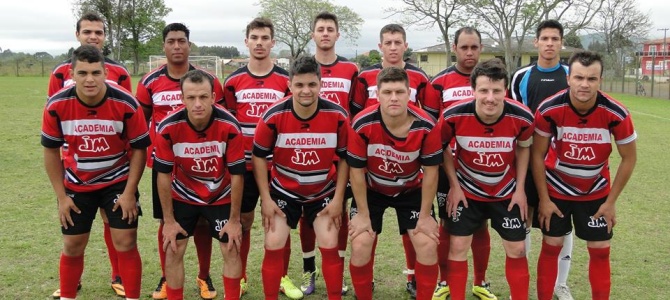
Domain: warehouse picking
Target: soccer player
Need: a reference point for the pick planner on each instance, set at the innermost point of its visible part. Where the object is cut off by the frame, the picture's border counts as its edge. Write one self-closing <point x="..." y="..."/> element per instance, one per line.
<point x="200" y="165"/>
<point x="248" y="92"/>
<point x="531" y="85"/>
<point x="90" y="30"/>
<point x="493" y="135"/>
<point x="338" y="79"/>
<point x="394" y="154"/>
<point x="303" y="133"/>
<point x="107" y="138"/>
<point x="159" y="94"/>
<point x="570" y="153"/>
<point x="453" y="84"/>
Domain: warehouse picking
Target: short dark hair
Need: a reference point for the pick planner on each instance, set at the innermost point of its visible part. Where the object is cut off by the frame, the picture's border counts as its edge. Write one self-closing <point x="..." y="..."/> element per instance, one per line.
<point x="305" y="65"/>
<point x="260" y="23"/>
<point x="196" y="76"/>
<point x="585" y="58"/>
<point x="92" y="17"/>
<point x="549" y="24"/>
<point x="392" y="28"/>
<point x="493" y="68"/>
<point x="392" y="74"/>
<point x="176" y="27"/>
<point x="468" y="30"/>
<point x="325" y="16"/>
<point x="89" y="54"/>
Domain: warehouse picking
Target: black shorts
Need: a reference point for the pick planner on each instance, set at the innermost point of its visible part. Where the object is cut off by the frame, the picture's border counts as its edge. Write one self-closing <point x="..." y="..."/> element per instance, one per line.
<point x="155" y="199"/>
<point x="250" y="194"/>
<point x="89" y="202"/>
<point x="531" y="190"/>
<point x="407" y="207"/>
<point x="508" y="224"/>
<point x="187" y="215"/>
<point x="294" y="209"/>
<point x="442" y="192"/>
<point x="579" y="213"/>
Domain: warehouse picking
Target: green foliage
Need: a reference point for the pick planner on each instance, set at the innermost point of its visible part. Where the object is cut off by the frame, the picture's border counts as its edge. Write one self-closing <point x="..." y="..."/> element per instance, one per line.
<point x="573" y="40"/>
<point x="375" y="57"/>
<point x="220" y="51"/>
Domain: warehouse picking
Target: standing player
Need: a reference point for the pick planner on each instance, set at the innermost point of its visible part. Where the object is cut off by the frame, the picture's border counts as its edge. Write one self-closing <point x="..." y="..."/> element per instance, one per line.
<point x="248" y="92"/>
<point x="572" y="145"/>
<point x="159" y="93"/>
<point x="91" y="31"/>
<point x="493" y="136"/>
<point x="338" y="79"/>
<point x="200" y="165"/>
<point x="107" y="137"/>
<point x="303" y="133"/>
<point x="531" y="85"/>
<point x="394" y="153"/>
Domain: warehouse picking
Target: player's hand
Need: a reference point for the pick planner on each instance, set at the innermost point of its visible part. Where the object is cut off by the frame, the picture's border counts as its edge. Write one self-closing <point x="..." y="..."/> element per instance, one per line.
<point x="545" y="210"/>
<point x="455" y="197"/>
<point x="360" y="223"/>
<point x="65" y="206"/>
<point x="170" y="231"/>
<point x="333" y="211"/>
<point x="428" y="226"/>
<point x="607" y="211"/>
<point x="519" y="199"/>
<point x="128" y="204"/>
<point x="234" y="231"/>
<point x="268" y="210"/>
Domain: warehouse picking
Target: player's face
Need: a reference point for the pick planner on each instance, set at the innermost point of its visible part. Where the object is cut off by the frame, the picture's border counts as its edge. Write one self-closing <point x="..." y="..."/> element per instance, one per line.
<point x="89" y="79"/>
<point x="177" y="47"/>
<point x="305" y="89"/>
<point x="467" y="51"/>
<point x="325" y="34"/>
<point x="393" y="98"/>
<point x="584" y="82"/>
<point x="393" y="47"/>
<point x="549" y="43"/>
<point x="259" y="42"/>
<point x="489" y="97"/>
<point x="91" y="33"/>
<point x="198" y="99"/>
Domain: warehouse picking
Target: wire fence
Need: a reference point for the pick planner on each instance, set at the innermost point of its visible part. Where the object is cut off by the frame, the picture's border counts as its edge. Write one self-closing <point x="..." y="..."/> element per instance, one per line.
<point x="660" y="88"/>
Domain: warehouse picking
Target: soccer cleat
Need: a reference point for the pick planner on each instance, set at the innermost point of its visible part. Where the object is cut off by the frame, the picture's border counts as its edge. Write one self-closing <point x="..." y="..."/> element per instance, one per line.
<point x="161" y="290"/>
<point x="206" y="288"/>
<point x="562" y="292"/>
<point x="244" y="286"/>
<point x="308" y="285"/>
<point x="289" y="289"/>
<point x="411" y="288"/>
<point x="483" y="291"/>
<point x="56" y="293"/>
<point x="117" y="287"/>
<point x="345" y="288"/>
<point x="441" y="291"/>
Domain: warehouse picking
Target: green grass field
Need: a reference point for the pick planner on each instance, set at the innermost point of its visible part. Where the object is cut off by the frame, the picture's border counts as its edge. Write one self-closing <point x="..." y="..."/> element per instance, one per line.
<point x="30" y="239"/>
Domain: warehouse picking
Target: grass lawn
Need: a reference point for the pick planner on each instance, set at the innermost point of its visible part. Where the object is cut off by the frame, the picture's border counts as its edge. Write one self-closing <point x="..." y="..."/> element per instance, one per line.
<point x="30" y="239"/>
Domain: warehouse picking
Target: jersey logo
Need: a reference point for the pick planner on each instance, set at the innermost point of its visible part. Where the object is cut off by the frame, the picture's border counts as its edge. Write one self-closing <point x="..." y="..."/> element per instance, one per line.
<point x="580" y="153"/>
<point x="205" y="165"/>
<point x="281" y="204"/>
<point x="513" y="223"/>
<point x="305" y="158"/>
<point x="455" y="217"/>
<point x="333" y="97"/>
<point x="391" y="167"/>
<point x="488" y="130"/>
<point x="256" y="110"/>
<point x="98" y="144"/>
<point x="326" y="201"/>
<point x="489" y="160"/>
<point x="414" y="215"/>
<point x="597" y="223"/>
<point x="220" y="224"/>
<point x="582" y="121"/>
<point x="91" y="112"/>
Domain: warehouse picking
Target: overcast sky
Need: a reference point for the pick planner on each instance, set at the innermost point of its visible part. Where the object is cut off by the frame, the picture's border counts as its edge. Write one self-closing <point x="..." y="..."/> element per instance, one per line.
<point x="48" y="25"/>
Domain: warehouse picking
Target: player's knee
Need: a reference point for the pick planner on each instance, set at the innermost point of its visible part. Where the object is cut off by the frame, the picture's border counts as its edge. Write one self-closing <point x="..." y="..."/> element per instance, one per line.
<point x="74" y="245"/>
<point x="247" y="219"/>
<point x="515" y="249"/>
<point x="124" y="239"/>
<point x="458" y="247"/>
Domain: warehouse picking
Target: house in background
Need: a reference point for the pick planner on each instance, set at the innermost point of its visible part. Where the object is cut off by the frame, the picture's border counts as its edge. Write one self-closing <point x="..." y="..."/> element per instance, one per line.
<point x="656" y="53"/>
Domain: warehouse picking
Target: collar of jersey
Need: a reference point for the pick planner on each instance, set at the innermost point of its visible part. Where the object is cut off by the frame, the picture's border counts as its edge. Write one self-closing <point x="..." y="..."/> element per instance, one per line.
<point x="547" y="70"/>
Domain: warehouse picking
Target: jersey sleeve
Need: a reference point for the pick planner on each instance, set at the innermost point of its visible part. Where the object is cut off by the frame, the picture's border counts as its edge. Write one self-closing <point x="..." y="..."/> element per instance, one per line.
<point x="264" y="139"/>
<point x="359" y="97"/>
<point x="357" y="148"/>
<point x="125" y="82"/>
<point x="55" y="83"/>
<point x="446" y="129"/>
<point x="142" y="95"/>
<point x="514" y="91"/>
<point x="525" y="136"/>
<point x="431" y="149"/>
<point x="229" y="100"/>
<point x="623" y="131"/>
<point x="342" y="132"/>
<point x="52" y="135"/>
<point x="431" y="98"/>
<point x="542" y="126"/>
<point x="164" y="156"/>
<point x="138" y="133"/>
<point x="235" y="151"/>
<point x="218" y="92"/>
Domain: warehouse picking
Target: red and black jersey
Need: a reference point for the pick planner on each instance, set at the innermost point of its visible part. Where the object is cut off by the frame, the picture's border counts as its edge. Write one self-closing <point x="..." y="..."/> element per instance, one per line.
<point x="485" y="157"/>
<point x="450" y="85"/>
<point x="98" y="136"/>
<point x="60" y="76"/>
<point x="338" y="82"/>
<point x="393" y="163"/>
<point x="162" y="94"/>
<point x="200" y="161"/>
<point x="577" y="164"/>
<point x="247" y="96"/>
<point x="303" y="149"/>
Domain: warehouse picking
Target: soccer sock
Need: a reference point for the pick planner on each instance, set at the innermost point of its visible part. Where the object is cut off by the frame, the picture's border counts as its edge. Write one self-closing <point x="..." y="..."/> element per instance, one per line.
<point x="174" y="294"/>
<point x="231" y="288"/>
<point x="457" y="277"/>
<point x="308" y="244"/>
<point x="361" y="279"/>
<point x="272" y="272"/>
<point x="71" y="268"/>
<point x="161" y="251"/>
<point x="564" y="260"/>
<point x="244" y="251"/>
<point x="481" y="250"/>
<point x="426" y="275"/>
<point x="203" y="247"/>
<point x="130" y="267"/>
<point x="443" y="253"/>
<point x="527" y="242"/>
<point x="332" y="268"/>
<point x="410" y="256"/>
<point x="516" y="271"/>
<point x="343" y="236"/>
<point x="599" y="273"/>
<point x="111" y="251"/>
<point x="287" y="255"/>
<point x="547" y="267"/>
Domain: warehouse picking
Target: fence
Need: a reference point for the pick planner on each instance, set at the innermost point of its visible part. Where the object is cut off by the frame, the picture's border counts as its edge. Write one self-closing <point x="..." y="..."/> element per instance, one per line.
<point x="630" y="85"/>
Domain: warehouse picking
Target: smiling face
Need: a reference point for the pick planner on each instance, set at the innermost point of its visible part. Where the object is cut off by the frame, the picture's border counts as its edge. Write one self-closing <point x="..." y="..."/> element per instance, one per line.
<point x="305" y="89"/>
<point x="260" y="42"/>
<point x="89" y="81"/>
<point x="91" y="33"/>
<point x="325" y="34"/>
<point x="177" y="47"/>
<point x="489" y="98"/>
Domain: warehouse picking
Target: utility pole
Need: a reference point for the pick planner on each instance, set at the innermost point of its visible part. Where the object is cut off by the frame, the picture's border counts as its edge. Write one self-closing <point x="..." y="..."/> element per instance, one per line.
<point x="665" y="54"/>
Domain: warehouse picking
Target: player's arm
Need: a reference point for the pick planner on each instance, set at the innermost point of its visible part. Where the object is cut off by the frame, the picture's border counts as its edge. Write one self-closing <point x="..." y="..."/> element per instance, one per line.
<point x="546" y="208"/>
<point x="628" y="153"/>
<point x="143" y="96"/>
<point x="522" y="157"/>
<point x="264" y="139"/>
<point x="54" y="169"/>
<point x="127" y="200"/>
<point x="456" y="194"/>
<point x="359" y="98"/>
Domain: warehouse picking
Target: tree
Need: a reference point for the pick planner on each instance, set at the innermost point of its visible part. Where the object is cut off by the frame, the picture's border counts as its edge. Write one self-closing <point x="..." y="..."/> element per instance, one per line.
<point x="293" y="21"/>
<point x="573" y="40"/>
<point x="112" y="12"/>
<point x="220" y="51"/>
<point x="408" y="53"/>
<point x="375" y="57"/>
